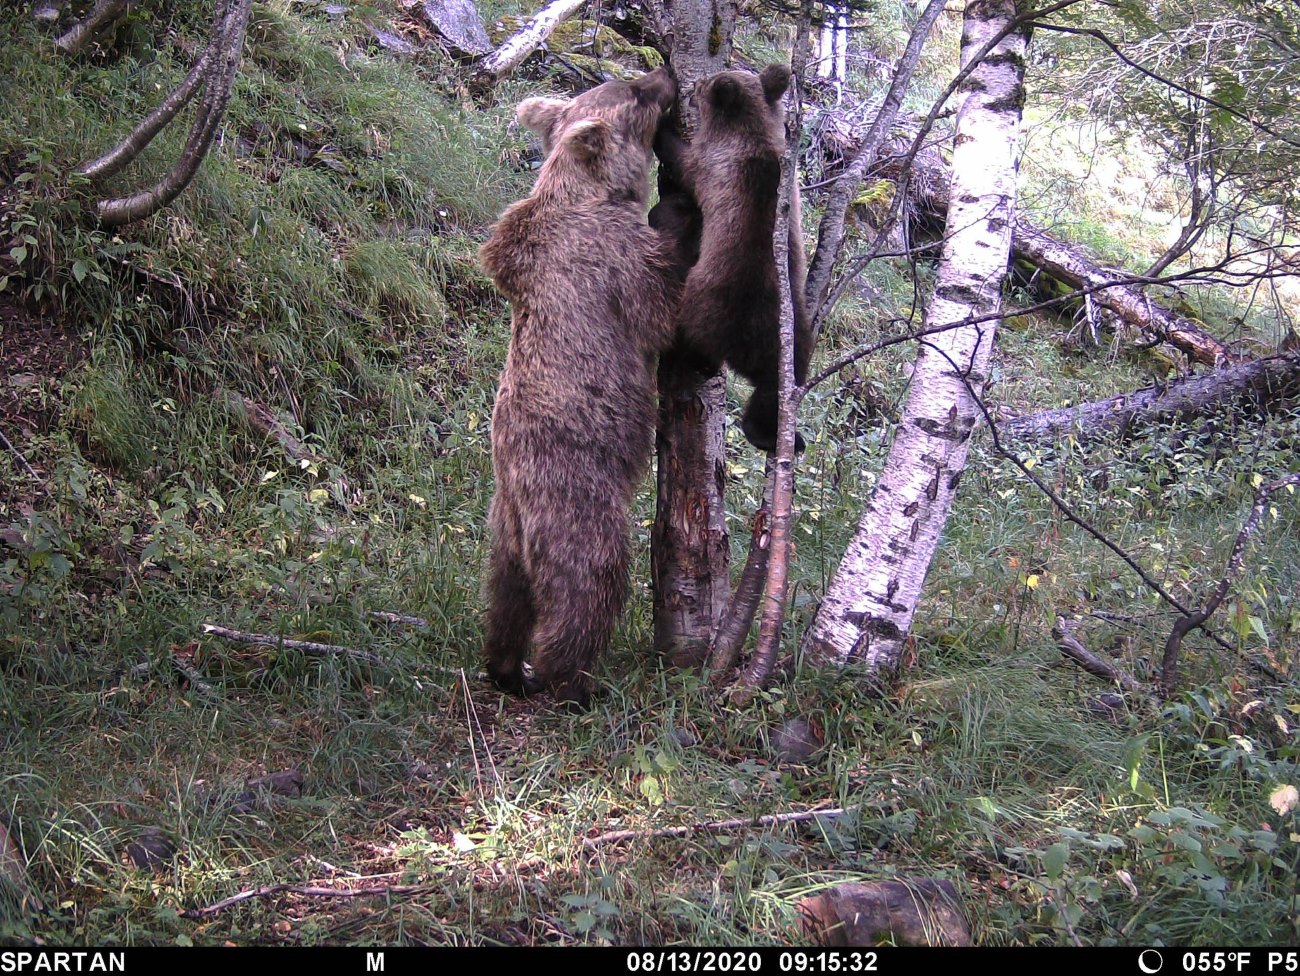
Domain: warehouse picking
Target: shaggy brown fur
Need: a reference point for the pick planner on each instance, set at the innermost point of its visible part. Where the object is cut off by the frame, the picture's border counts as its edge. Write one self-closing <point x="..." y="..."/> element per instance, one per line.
<point x="593" y="290"/>
<point x="731" y="171"/>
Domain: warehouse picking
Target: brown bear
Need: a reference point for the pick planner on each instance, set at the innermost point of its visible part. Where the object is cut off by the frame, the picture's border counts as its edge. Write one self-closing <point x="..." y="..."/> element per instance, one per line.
<point x="731" y="172"/>
<point x="594" y="291"/>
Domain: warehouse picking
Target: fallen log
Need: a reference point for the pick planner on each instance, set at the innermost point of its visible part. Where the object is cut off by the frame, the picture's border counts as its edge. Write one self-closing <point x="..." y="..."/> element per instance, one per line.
<point x="1262" y="381"/>
<point x="1068" y="264"/>
<point x="495" y="66"/>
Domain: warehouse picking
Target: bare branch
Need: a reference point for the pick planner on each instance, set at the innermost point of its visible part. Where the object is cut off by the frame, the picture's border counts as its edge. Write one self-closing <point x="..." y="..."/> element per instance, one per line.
<point x="1169" y="662"/>
<point x="129" y="148"/>
<point x="830" y="235"/>
<point x="399" y="619"/>
<point x="1073" y="648"/>
<point x="310" y="891"/>
<point x="311" y="648"/>
<point x="781" y="464"/>
<point x="261" y="420"/>
<point x="20" y="458"/>
<point x="735" y="626"/>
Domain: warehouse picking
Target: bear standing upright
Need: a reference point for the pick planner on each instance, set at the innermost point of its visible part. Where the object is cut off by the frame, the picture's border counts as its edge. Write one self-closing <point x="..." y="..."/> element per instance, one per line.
<point x="731" y="171"/>
<point x="594" y="291"/>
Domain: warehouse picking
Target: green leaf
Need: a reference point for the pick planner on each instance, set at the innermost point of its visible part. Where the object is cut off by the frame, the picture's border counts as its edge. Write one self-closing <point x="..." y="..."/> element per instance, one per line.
<point x="1133" y="750"/>
<point x="1257" y="626"/>
<point x="79" y="270"/>
<point x="1054" y="859"/>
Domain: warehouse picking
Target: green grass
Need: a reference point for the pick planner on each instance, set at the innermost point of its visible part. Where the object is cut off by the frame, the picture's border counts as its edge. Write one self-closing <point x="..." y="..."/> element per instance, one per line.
<point x="341" y="291"/>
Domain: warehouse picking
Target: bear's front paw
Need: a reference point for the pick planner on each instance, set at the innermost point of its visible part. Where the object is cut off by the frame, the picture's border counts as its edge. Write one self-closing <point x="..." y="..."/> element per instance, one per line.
<point x="763" y="436"/>
<point x="515" y="681"/>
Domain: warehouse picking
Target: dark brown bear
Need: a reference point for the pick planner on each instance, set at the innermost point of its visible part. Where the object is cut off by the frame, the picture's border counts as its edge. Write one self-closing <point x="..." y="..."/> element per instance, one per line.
<point x="594" y="290"/>
<point x="731" y="171"/>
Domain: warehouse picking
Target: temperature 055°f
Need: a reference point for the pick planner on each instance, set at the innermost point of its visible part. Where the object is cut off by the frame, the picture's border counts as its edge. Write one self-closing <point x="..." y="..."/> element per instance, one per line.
<point x="1216" y="962"/>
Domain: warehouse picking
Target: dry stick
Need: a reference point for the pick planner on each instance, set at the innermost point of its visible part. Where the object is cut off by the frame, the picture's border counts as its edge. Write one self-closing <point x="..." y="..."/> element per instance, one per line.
<point x="309" y="890"/>
<point x="313" y="649"/>
<point x="400" y="619"/>
<point x="307" y="647"/>
<point x="129" y="148"/>
<point x="716" y="827"/>
<point x="263" y="421"/>
<point x="220" y="79"/>
<point x="1169" y="663"/>
<point x="475" y="733"/>
<point x="20" y="457"/>
<point x="184" y="670"/>
<point x="91" y="26"/>
<point x="782" y="463"/>
<point x="1073" y="648"/>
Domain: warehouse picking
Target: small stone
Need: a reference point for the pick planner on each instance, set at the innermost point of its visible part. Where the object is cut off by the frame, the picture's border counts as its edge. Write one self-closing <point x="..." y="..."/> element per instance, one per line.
<point x="459" y="24"/>
<point x="392" y="42"/>
<point x="151" y="851"/>
<point x="797" y="741"/>
<point x="905" y="911"/>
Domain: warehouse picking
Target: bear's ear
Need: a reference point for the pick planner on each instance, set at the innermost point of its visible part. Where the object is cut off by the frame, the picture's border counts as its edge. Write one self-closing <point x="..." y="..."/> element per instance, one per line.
<point x="657" y="86"/>
<point x="539" y="114"/>
<point x="726" y="94"/>
<point x="588" y="139"/>
<point x="775" y="79"/>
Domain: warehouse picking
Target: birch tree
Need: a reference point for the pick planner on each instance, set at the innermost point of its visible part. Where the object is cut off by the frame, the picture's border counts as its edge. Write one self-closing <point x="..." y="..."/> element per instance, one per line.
<point x="868" y="609"/>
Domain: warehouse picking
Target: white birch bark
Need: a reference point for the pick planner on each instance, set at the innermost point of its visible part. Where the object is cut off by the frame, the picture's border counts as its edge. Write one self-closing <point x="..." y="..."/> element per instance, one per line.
<point x="496" y="65"/>
<point x="833" y="44"/>
<point x="868" y="608"/>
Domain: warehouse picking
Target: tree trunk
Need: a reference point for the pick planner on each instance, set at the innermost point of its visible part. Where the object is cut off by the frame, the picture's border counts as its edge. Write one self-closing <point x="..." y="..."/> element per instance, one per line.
<point x="218" y="81"/>
<point x="690" y="547"/>
<point x="868" y="608"/>
<point x="1264" y="379"/>
<point x="495" y="66"/>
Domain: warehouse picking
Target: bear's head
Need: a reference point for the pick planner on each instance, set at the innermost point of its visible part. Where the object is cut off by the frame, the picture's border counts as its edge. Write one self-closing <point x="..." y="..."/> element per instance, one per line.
<point x="602" y="137"/>
<point x="745" y="102"/>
